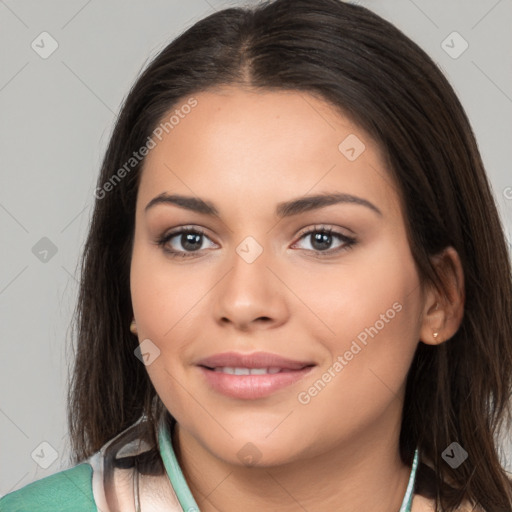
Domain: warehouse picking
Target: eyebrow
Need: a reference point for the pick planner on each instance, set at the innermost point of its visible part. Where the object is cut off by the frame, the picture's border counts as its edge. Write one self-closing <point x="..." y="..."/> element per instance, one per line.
<point x="284" y="209"/>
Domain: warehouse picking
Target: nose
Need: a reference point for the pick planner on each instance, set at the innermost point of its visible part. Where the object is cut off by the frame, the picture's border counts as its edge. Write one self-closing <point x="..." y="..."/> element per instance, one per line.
<point x="251" y="295"/>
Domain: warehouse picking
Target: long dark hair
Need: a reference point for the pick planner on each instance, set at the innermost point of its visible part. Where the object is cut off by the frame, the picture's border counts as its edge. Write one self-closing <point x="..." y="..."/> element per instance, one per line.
<point x="364" y="66"/>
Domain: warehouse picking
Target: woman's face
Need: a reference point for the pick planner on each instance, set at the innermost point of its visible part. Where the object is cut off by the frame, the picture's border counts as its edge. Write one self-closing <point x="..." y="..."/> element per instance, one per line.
<point x="321" y="327"/>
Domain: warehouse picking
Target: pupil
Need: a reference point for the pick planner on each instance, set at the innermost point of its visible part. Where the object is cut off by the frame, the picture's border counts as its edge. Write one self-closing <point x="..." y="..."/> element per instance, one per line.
<point x="190" y="238"/>
<point x="322" y="238"/>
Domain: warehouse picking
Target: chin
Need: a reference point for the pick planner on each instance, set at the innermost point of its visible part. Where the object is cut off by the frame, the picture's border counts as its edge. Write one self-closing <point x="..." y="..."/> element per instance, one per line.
<point x="253" y="448"/>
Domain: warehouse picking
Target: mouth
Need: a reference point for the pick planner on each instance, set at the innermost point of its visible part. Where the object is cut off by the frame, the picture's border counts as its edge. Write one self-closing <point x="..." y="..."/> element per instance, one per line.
<point x="251" y="376"/>
<point x="248" y="371"/>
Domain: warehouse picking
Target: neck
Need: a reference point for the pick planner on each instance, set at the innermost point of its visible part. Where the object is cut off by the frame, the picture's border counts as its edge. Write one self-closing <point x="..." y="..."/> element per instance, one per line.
<point x="365" y="474"/>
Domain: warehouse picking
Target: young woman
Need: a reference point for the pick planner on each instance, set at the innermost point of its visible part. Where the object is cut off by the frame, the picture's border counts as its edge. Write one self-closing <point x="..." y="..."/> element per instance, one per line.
<point x="296" y="292"/>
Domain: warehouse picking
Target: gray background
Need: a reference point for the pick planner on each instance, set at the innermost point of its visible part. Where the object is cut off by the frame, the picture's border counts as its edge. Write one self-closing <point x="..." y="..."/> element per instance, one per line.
<point x="56" y="116"/>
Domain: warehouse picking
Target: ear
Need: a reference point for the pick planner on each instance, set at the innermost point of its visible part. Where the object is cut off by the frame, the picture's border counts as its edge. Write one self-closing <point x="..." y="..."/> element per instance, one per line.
<point x="443" y="310"/>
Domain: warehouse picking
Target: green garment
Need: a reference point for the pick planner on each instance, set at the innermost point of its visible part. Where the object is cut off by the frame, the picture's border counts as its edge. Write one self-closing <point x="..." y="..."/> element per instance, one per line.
<point x="69" y="490"/>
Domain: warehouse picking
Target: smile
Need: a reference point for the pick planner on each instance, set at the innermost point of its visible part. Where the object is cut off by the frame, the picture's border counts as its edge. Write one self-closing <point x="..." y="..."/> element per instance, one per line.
<point x="251" y="376"/>
<point x="248" y="371"/>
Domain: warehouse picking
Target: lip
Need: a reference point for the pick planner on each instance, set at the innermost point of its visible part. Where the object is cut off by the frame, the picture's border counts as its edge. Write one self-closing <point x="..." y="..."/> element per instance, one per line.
<point x="250" y="387"/>
<point x="253" y="360"/>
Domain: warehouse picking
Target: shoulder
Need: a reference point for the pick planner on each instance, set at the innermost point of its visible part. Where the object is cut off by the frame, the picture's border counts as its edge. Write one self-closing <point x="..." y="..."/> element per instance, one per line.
<point x="65" y="491"/>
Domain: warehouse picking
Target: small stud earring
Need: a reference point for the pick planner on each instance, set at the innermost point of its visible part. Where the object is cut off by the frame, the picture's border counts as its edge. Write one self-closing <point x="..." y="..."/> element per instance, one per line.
<point x="435" y="334"/>
<point x="133" y="327"/>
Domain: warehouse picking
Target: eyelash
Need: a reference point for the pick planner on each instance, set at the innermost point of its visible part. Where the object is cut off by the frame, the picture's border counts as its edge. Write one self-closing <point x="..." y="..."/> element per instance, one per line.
<point x="349" y="242"/>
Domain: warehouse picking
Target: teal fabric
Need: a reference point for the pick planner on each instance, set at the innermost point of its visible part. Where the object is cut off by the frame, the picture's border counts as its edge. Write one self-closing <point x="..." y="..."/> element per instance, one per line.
<point x="187" y="502"/>
<point x="67" y="491"/>
<point x="407" y="501"/>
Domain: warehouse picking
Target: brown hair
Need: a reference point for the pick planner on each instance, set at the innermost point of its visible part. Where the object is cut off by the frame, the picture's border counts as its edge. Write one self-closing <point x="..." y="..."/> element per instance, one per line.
<point x="457" y="391"/>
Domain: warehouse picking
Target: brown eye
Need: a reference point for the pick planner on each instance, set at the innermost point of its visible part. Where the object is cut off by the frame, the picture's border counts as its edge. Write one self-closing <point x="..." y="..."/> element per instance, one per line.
<point x="322" y="239"/>
<point x="184" y="242"/>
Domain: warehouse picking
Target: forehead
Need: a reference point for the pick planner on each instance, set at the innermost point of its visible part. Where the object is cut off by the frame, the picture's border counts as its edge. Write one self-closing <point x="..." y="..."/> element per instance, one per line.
<point x="263" y="144"/>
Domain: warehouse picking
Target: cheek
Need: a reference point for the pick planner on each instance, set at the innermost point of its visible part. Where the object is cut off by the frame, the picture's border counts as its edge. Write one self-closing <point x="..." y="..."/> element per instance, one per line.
<point x="374" y="292"/>
<point x="375" y="329"/>
<point x="163" y="304"/>
<point x="170" y="303"/>
<point x="164" y="294"/>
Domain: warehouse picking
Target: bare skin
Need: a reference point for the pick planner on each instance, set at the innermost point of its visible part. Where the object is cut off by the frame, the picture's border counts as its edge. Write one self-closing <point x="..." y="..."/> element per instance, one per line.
<point x="245" y="152"/>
